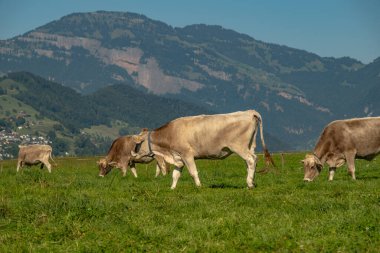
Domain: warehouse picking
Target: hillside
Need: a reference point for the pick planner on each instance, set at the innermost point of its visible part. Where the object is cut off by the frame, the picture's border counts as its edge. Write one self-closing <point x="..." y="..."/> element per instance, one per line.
<point x="296" y="92"/>
<point x="81" y="124"/>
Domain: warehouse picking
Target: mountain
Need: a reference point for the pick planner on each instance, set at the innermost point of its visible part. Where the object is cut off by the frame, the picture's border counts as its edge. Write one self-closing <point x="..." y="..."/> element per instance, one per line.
<point x="367" y="97"/>
<point x="85" y="124"/>
<point x="38" y="105"/>
<point x="31" y="104"/>
<point x="117" y="102"/>
<point x="296" y="92"/>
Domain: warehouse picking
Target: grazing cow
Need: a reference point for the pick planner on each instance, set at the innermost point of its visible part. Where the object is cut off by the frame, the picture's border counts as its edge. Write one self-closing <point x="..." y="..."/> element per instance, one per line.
<point x="343" y="141"/>
<point x="119" y="156"/>
<point x="182" y="140"/>
<point x="34" y="155"/>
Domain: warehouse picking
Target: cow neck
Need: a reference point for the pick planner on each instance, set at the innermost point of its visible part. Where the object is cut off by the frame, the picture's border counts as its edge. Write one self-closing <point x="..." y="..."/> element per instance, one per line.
<point x="150" y="143"/>
<point x="318" y="158"/>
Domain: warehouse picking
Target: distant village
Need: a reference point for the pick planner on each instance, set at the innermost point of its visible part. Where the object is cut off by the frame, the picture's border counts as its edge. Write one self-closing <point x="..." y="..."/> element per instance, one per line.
<point x="10" y="139"/>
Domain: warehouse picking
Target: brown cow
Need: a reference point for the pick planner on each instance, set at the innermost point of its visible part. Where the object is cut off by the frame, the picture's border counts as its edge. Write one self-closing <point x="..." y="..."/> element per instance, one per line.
<point x="182" y="140"/>
<point x="119" y="156"/>
<point x="343" y="141"/>
<point x="34" y="155"/>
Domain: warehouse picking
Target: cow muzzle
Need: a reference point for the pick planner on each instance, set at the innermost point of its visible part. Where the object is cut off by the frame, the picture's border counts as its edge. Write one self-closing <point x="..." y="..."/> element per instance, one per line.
<point x="307" y="179"/>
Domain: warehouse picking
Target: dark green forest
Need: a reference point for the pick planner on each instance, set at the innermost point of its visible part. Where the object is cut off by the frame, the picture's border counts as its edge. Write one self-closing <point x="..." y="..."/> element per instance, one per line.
<point x="76" y="111"/>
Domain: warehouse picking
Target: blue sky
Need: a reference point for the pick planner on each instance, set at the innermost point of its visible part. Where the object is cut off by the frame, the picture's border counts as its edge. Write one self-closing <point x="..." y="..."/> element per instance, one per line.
<point x="326" y="27"/>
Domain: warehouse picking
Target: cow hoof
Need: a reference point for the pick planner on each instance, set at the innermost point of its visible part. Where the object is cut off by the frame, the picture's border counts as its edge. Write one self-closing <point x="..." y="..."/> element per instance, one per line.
<point x="251" y="187"/>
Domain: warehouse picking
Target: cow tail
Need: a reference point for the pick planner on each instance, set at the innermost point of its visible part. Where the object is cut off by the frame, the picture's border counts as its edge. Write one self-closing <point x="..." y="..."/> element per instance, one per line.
<point x="267" y="156"/>
<point x="52" y="159"/>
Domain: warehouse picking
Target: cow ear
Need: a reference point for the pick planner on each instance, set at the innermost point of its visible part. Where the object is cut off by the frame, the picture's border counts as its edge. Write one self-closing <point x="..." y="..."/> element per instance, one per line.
<point x="101" y="161"/>
<point x="137" y="139"/>
<point x="144" y="129"/>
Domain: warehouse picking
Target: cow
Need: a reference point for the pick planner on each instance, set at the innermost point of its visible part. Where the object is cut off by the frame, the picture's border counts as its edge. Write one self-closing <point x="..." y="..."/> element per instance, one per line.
<point x="33" y="155"/>
<point x="341" y="142"/>
<point x="119" y="156"/>
<point x="185" y="139"/>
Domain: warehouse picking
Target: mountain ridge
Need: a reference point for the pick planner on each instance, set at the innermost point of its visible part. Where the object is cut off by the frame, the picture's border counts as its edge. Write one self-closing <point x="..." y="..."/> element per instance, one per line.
<point x="59" y="114"/>
<point x="210" y="66"/>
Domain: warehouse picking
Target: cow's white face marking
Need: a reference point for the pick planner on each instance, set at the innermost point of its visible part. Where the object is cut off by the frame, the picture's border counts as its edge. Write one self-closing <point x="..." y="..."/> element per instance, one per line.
<point x="312" y="167"/>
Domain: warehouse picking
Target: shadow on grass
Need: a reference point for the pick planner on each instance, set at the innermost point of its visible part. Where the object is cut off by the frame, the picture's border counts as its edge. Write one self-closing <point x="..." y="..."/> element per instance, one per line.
<point x="227" y="186"/>
<point x="368" y="178"/>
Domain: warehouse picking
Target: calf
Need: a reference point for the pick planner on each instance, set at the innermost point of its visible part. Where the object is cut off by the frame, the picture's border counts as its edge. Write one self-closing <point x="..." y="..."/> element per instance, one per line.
<point x="119" y="156"/>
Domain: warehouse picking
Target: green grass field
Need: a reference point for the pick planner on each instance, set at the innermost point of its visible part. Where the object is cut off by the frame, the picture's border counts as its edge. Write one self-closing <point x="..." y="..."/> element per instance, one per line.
<point x="73" y="210"/>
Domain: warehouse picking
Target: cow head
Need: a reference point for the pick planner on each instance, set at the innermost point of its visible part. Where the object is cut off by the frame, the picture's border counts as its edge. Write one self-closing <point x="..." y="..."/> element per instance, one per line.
<point x="141" y="145"/>
<point x="104" y="167"/>
<point x="312" y="167"/>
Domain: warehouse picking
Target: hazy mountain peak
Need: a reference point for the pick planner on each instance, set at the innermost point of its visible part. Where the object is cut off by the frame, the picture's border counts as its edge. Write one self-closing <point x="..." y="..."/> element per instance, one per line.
<point x="102" y="25"/>
<point x="207" y="65"/>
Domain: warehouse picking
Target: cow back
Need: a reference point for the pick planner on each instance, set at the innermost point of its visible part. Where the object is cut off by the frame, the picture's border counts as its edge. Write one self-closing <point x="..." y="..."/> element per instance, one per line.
<point x="32" y="153"/>
<point x="206" y="135"/>
<point x="361" y="135"/>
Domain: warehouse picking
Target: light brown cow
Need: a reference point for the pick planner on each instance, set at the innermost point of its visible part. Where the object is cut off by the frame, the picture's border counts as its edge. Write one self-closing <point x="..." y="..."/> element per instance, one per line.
<point x="342" y="141"/>
<point x="34" y="155"/>
<point x="119" y="156"/>
<point x="182" y="140"/>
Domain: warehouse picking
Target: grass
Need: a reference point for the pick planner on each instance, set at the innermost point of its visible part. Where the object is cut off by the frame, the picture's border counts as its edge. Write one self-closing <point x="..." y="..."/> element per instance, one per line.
<point x="73" y="210"/>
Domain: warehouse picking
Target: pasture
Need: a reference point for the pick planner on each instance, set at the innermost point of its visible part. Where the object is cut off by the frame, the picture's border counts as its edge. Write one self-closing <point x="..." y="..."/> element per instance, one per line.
<point x="73" y="210"/>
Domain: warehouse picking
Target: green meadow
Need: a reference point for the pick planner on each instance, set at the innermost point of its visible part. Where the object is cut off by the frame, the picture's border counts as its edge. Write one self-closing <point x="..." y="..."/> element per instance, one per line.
<point x="73" y="210"/>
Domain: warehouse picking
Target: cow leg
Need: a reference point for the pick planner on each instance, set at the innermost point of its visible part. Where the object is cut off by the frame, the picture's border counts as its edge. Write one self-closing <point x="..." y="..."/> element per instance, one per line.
<point x="19" y="165"/>
<point x="176" y="174"/>
<point x="331" y="173"/>
<point x="191" y="166"/>
<point x="250" y="159"/>
<point x="157" y="170"/>
<point x="123" y="170"/>
<point x="251" y="168"/>
<point x="350" y="159"/>
<point x="133" y="169"/>
<point x="48" y="166"/>
<point x="123" y="166"/>
<point x="161" y="166"/>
